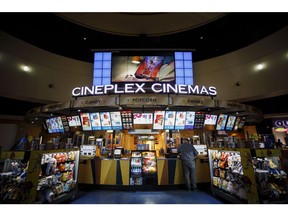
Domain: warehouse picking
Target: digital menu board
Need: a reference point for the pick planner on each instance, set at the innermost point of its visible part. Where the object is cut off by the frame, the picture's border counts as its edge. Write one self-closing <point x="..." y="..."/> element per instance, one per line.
<point x="210" y="119"/>
<point x="116" y="120"/>
<point x="85" y="119"/>
<point x="169" y="122"/>
<point x="143" y="118"/>
<point x="180" y="120"/>
<point x="230" y="123"/>
<point x="221" y="121"/>
<point x="74" y="121"/>
<point x="95" y="121"/>
<point x="158" y="122"/>
<point x="190" y="118"/>
<point x="199" y="120"/>
<point x="65" y="123"/>
<point x="54" y="125"/>
<point x="105" y="121"/>
<point x="127" y="119"/>
<point x="239" y="123"/>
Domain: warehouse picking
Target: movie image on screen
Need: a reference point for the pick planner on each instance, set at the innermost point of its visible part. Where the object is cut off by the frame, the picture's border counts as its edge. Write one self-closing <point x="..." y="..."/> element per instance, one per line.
<point x="143" y="118"/>
<point x="169" y="122"/>
<point x="127" y="119"/>
<point x="116" y="120"/>
<point x="54" y="125"/>
<point x="150" y="68"/>
<point x="105" y="121"/>
<point x="85" y="119"/>
<point x="210" y="119"/>
<point x="190" y="118"/>
<point x="180" y="120"/>
<point x="95" y="121"/>
<point x="158" y="122"/>
<point x="222" y="118"/>
<point x="230" y="123"/>
<point x="74" y="121"/>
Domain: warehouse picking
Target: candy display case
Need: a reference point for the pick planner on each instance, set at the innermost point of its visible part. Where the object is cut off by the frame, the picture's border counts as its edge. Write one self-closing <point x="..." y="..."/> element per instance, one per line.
<point x="37" y="176"/>
<point x="247" y="175"/>
<point x="143" y="168"/>
<point x="271" y="179"/>
<point x="231" y="176"/>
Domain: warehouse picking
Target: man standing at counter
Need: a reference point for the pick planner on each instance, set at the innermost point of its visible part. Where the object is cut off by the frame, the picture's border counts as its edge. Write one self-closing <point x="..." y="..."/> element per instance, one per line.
<point x="188" y="155"/>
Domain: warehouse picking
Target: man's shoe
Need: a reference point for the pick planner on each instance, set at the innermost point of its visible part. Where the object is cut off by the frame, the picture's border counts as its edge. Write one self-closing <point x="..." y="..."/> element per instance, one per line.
<point x="188" y="190"/>
<point x="195" y="189"/>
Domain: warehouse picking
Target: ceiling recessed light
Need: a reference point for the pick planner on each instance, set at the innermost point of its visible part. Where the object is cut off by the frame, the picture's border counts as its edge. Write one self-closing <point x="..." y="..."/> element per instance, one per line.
<point x="25" y="68"/>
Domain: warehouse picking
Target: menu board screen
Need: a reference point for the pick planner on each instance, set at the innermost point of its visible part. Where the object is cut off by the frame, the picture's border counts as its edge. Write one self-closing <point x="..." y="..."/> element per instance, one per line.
<point x="73" y="121"/>
<point x="190" y="118"/>
<point x="230" y="123"/>
<point x="180" y="120"/>
<point x="169" y="120"/>
<point x="65" y="123"/>
<point x="85" y="119"/>
<point x="158" y="122"/>
<point x="116" y="120"/>
<point x="105" y="121"/>
<point x="95" y="121"/>
<point x="127" y="119"/>
<point x="143" y="118"/>
<point x="54" y="125"/>
<point x="210" y="119"/>
<point x="239" y="123"/>
<point x="220" y="125"/>
<point x="199" y="120"/>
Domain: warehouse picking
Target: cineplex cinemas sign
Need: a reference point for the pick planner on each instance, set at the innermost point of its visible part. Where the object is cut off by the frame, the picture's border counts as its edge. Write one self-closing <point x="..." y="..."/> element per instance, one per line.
<point x="141" y="88"/>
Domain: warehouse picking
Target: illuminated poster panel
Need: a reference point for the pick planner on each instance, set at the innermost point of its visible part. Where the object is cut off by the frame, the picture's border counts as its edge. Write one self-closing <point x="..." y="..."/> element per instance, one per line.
<point x="143" y="118"/>
<point x="230" y="123"/>
<point x="95" y="121"/>
<point x="222" y="118"/>
<point x="190" y="118"/>
<point x="158" y="122"/>
<point x="85" y="119"/>
<point x="116" y="120"/>
<point x="169" y="123"/>
<point x="105" y="121"/>
<point x="180" y="120"/>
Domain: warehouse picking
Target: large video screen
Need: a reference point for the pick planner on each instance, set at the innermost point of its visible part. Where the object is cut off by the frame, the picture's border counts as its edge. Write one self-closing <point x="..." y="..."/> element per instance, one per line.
<point x="95" y="121"/>
<point x="158" y="121"/>
<point x="85" y="119"/>
<point x="210" y="119"/>
<point x="190" y="118"/>
<point x="180" y="120"/>
<point x="54" y="125"/>
<point x="169" y="123"/>
<point x="221" y="121"/>
<point x="143" y="118"/>
<point x="230" y="123"/>
<point x="116" y="120"/>
<point x="105" y="121"/>
<point x="74" y="121"/>
<point x="147" y="68"/>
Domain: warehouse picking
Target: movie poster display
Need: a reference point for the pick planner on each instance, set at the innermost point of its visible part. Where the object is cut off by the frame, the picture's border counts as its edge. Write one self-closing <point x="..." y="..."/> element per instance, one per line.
<point x="85" y="119"/>
<point x="190" y="118"/>
<point x="105" y="121"/>
<point x="230" y="123"/>
<point x="180" y="120"/>
<point x="158" y="122"/>
<point x="143" y="118"/>
<point x="95" y="121"/>
<point x="222" y="118"/>
<point x="169" y="123"/>
<point x="116" y="120"/>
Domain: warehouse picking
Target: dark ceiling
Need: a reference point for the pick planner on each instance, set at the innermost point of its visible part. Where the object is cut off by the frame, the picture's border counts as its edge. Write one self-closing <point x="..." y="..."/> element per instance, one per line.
<point x="57" y="35"/>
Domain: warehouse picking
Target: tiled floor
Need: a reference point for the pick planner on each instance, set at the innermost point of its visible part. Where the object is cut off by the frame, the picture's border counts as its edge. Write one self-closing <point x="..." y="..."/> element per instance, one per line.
<point x="177" y="196"/>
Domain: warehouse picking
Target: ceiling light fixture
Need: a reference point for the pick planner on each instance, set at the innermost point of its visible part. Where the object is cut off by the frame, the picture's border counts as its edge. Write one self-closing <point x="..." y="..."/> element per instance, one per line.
<point x="136" y="60"/>
<point x="25" y="68"/>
